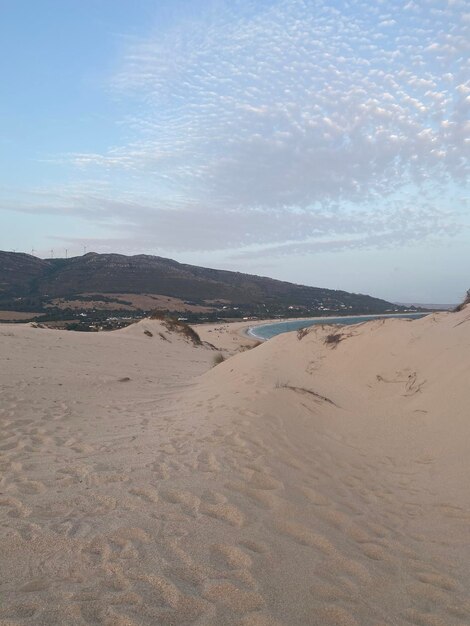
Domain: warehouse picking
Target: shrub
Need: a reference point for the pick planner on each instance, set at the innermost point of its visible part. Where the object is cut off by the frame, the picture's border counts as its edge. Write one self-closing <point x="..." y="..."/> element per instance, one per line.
<point x="333" y="339"/>
<point x="463" y="304"/>
<point x="157" y="315"/>
<point x="185" y="330"/>
<point x="302" y="332"/>
<point x="218" y="358"/>
<point x="148" y="333"/>
<point x="249" y="346"/>
<point x="174" y="325"/>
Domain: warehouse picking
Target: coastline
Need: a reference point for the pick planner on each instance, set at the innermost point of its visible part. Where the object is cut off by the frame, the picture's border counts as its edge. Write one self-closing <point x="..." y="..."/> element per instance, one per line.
<point x="232" y="337"/>
<point x="250" y="332"/>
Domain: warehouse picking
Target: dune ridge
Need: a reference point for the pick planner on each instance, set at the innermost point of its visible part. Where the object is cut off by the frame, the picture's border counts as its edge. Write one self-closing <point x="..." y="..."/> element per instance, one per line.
<point x="320" y="478"/>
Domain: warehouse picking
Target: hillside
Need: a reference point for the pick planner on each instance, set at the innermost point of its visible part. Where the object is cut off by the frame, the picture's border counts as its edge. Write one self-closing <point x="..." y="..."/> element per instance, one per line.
<point x="114" y="282"/>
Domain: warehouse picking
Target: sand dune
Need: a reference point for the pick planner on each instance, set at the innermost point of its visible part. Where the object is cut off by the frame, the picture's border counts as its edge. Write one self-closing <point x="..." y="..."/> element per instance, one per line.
<point x="318" y="479"/>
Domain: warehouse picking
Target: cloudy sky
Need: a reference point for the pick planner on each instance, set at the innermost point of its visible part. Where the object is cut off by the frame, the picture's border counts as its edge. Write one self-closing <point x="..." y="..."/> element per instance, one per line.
<point x="321" y="142"/>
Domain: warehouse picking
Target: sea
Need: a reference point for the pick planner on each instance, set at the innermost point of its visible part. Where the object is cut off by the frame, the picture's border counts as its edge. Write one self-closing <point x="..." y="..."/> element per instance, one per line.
<point x="266" y="331"/>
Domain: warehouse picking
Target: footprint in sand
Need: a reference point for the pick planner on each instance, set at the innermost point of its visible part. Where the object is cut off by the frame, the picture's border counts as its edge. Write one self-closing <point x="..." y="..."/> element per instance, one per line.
<point x="15" y="507"/>
<point x="421" y="618"/>
<point x="189" y="502"/>
<point x="255" y="546"/>
<point x="162" y="471"/>
<point x="37" y="584"/>
<point x="228" y="596"/>
<point x="213" y="497"/>
<point x="12" y="445"/>
<point x="453" y="511"/>
<point x="336" y="616"/>
<point x="207" y="462"/>
<point x="224" y="512"/>
<point x="262" y="497"/>
<point x="148" y="494"/>
<point x="438" y="580"/>
<point x="128" y="542"/>
<point x="78" y="507"/>
<point x="30" y="486"/>
<point x="69" y="528"/>
<point x="315" y="497"/>
<point x="258" y="619"/>
<point x="231" y="556"/>
<point x="306" y="537"/>
<point x="18" y="611"/>
<point x="261" y="480"/>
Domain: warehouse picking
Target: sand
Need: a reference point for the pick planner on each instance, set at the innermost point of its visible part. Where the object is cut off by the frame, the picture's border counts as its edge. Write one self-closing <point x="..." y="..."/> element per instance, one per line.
<point x="229" y="337"/>
<point x="312" y="480"/>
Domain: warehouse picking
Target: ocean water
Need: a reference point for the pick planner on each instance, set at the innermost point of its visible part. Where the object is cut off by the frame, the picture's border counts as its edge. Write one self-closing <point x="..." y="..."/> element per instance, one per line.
<point x="266" y="331"/>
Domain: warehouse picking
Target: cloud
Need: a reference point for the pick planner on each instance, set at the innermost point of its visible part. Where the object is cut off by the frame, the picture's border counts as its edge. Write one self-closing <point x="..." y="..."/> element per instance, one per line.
<point x="290" y="125"/>
<point x="130" y="224"/>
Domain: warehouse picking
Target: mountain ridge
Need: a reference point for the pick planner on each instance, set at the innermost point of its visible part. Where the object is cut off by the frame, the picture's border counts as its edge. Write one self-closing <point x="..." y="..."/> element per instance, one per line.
<point x="27" y="279"/>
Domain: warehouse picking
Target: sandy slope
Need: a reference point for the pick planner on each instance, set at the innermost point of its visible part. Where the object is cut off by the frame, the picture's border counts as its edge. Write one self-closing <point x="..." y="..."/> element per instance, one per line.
<point x="229" y="337"/>
<point x="301" y="482"/>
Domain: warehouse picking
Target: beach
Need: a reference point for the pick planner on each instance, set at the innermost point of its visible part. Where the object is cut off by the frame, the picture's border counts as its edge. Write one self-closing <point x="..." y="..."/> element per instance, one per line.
<point x="318" y="479"/>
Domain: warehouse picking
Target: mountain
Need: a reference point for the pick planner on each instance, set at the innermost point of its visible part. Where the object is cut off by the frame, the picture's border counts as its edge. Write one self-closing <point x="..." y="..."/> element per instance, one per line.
<point x="27" y="283"/>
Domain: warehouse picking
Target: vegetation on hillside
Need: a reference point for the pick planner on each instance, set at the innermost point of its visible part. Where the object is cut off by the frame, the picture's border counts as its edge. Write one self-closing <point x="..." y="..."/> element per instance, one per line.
<point x="176" y="326"/>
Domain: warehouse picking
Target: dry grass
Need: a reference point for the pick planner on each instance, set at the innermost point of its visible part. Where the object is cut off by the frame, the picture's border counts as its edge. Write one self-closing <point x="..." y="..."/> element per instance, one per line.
<point x="158" y="315"/>
<point x="148" y="333"/>
<point x="302" y="332"/>
<point x="218" y="358"/>
<point x="333" y="339"/>
<point x="175" y="326"/>
<point x="249" y="346"/>
<point x="463" y="304"/>
<point x="317" y="396"/>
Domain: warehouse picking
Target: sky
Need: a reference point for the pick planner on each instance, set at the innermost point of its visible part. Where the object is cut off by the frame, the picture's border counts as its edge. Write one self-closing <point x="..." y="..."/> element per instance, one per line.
<point x="320" y="142"/>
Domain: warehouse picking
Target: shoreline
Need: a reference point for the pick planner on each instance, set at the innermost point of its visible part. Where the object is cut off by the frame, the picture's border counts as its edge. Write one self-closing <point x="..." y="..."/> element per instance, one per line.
<point x="249" y="332"/>
<point x="230" y="337"/>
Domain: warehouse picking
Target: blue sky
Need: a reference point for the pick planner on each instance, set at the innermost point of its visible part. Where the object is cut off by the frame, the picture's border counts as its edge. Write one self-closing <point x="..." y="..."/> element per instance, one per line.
<point x="323" y="143"/>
